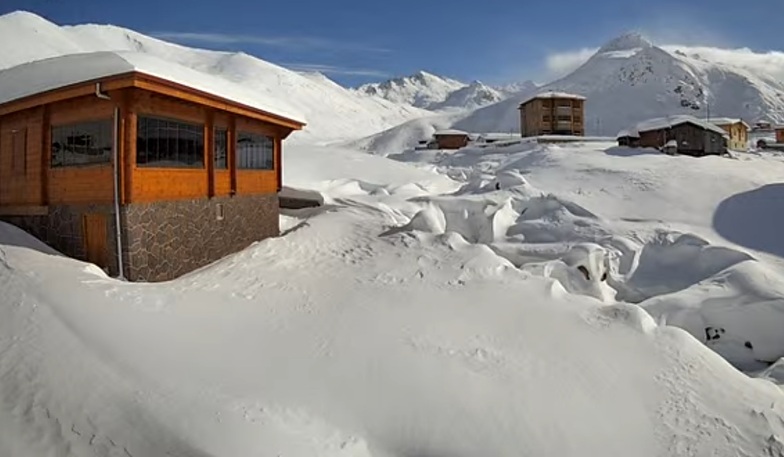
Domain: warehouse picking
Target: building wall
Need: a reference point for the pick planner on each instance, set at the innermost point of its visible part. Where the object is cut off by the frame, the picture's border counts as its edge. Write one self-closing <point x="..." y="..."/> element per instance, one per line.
<point x="164" y="240"/>
<point x="21" y="158"/>
<point x="738" y="136"/>
<point x="691" y="139"/>
<point x="451" y="141"/>
<point x="170" y="216"/>
<point x="564" y="116"/>
<point x="63" y="228"/>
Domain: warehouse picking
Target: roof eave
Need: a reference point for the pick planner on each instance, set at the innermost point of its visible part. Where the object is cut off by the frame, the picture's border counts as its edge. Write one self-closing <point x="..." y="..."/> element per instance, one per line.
<point x="144" y="81"/>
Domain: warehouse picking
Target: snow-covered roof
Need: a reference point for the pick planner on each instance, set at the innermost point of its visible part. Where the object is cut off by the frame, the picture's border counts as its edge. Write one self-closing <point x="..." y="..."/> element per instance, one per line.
<point x="58" y="72"/>
<point x="672" y="121"/>
<point x="554" y="94"/>
<point x="728" y="121"/>
<point x="449" y="132"/>
<point x="498" y="136"/>
<point x="631" y="133"/>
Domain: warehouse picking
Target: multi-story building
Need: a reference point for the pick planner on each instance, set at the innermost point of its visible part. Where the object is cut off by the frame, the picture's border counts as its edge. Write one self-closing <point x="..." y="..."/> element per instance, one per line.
<point x="553" y="113"/>
<point x="737" y="130"/>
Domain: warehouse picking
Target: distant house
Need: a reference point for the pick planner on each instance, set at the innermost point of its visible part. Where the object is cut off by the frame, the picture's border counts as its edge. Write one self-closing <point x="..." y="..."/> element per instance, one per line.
<point x="144" y="167"/>
<point x="762" y="125"/>
<point x="693" y="136"/>
<point x="736" y="129"/>
<point x="450" y="139"/>
<point x="553" y="113"/>
<point x="629" y="138"/>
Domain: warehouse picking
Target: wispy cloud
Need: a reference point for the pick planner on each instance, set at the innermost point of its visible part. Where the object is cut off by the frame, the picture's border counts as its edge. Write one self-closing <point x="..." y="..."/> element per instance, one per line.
<point x="288" y="42"/>
<point x="335" y="70"/>
<point x="560" y="64"/>
<point x="763" y="63"/>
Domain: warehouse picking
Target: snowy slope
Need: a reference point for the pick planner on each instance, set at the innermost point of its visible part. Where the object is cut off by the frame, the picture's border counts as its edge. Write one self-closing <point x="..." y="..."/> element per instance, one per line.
<point x="707" y="259"/>
<point x="395" y="322"/>
<point x="629" y="80"/>
<point x="332" y="111"/>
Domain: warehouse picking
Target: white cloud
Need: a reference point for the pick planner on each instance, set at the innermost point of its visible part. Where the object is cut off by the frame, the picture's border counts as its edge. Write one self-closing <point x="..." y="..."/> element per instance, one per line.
<point x="562" y="63"/>
<point x="288" y="42"/>
<point x="335" y="70"/>
<point x="765" y="63"/>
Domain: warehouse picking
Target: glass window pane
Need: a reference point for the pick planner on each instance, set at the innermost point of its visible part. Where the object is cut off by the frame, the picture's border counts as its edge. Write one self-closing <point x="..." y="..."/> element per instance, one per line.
<point x="255" y="152"/>
<point x="84" y="143"/>
<point x="167" y="143"/>
<point x="221" y="148"/>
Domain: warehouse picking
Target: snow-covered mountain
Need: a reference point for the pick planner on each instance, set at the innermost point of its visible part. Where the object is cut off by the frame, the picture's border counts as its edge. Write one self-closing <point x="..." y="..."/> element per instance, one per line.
<point x="472" y="96"/>
<point x="332" y="111"/>
<point x="422" y="89"/>
<point x="629" y="80"/>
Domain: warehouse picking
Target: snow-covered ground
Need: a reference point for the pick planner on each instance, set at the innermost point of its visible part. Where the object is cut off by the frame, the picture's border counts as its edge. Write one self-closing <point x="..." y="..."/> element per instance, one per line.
<point x="453" y="305"/>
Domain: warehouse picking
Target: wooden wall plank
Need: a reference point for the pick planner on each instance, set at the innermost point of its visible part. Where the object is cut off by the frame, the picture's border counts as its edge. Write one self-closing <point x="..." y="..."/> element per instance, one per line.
<point x="253" y="182"/>
<point x="152" y="184"/>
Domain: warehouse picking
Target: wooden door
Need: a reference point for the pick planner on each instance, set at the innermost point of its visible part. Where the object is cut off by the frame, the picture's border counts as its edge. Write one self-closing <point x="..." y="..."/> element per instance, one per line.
<point x="95" y="234"/>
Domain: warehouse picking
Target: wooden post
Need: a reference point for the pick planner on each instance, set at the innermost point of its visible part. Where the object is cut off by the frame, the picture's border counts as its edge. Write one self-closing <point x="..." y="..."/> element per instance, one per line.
<point x="46" y="155"/>
<point x="232" y="154"/>
<point x="128" y="151"/>
<point x="209" y="145"/>
<point x="279" y="160"/>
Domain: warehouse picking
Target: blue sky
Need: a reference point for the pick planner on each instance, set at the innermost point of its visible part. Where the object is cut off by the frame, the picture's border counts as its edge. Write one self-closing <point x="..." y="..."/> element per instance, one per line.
<point x="356" y="41"/>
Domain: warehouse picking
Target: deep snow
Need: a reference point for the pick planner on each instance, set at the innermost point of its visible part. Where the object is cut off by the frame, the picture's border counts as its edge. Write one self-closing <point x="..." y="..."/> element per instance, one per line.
<point x="415" y="314"/>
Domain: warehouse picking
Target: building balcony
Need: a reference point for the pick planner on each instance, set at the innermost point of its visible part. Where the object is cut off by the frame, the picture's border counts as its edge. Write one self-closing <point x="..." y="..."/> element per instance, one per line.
<point x="563" y="111"/>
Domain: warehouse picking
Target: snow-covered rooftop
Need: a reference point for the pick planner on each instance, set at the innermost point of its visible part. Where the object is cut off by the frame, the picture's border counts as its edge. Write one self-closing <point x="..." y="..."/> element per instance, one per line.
<point x="672" y="121"/>
<point x="449" y="132"/>
<point x="554" y="94"/>
<point x="631" y="133"/>
<point x="728" y="121"/>
<point x="57" y="72"/>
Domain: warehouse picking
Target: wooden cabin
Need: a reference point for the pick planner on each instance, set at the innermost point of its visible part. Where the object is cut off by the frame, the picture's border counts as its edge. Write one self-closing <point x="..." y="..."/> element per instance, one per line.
<point x="450" y="139"/>
<point x="693" y="136"/>
<point x="553" y="113"/>
<point x="628" y="138"/>
<point x="143" y="167"/>
<point x="737" y="130"/>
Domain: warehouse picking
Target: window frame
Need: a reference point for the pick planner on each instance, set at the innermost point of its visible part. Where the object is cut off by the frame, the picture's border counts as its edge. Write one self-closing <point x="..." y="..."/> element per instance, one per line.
<point x="198" y="129"/>
<point x="74" y="126"/>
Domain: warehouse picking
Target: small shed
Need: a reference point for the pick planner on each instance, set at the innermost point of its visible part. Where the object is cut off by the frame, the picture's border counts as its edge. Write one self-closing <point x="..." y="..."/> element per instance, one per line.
<point x="147" y="168"/>
<point x="693" y="136"/>
<point x="451" y="139"/>
<point x="629" y="138"/>
<point x="780" y="134"/>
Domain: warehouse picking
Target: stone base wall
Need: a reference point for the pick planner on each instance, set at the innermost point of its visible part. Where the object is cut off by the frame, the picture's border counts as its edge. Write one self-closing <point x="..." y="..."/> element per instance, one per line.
<point x="164" y="240"/>
<point x="62" y="228"/>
